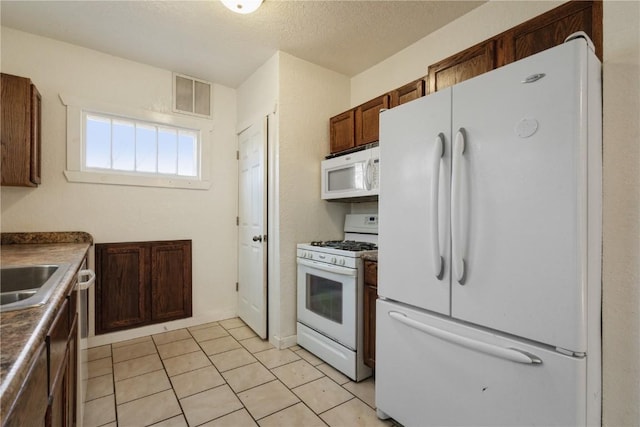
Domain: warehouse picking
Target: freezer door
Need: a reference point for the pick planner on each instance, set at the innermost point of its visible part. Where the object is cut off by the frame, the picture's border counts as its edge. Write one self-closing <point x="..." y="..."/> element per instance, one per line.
<point x="519" y="203"/>
<point x="433" y="372"/>
<point x="415" y="159"/>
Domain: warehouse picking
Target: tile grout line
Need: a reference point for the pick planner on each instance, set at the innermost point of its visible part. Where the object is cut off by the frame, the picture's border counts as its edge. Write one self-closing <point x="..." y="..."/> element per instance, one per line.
<point x="242" y="346"/>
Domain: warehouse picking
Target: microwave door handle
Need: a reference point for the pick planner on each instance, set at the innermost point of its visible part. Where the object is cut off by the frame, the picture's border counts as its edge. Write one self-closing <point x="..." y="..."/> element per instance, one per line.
<point x="367" y="175"/>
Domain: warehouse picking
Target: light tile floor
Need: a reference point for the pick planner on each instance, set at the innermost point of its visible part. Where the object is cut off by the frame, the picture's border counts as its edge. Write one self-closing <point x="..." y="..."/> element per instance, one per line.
<point x="220" y="374"/>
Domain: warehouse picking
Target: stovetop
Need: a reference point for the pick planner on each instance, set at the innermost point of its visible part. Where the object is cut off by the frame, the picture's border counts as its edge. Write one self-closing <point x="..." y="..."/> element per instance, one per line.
<point x="346" y="245"/>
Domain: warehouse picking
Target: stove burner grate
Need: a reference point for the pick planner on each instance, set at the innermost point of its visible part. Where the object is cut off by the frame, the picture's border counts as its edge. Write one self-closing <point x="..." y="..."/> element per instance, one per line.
<point x="346" y="245"/>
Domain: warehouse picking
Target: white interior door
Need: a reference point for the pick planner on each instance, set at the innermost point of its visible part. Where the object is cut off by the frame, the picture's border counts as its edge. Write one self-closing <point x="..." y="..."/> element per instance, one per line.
<point x="415" y="168"/>
<point x="252" y="223"/>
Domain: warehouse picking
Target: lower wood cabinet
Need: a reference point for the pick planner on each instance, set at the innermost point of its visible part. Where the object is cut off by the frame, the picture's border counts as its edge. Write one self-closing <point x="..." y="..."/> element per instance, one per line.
<point x="48" y="396"/>
<point x="30" y="405"/>
<point x="369" y="312"/>
<point x="141" y="283"/>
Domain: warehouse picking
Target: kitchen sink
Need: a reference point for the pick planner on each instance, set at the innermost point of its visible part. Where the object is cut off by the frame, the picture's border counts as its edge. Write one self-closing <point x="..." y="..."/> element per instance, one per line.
<point x="28" y="286"/>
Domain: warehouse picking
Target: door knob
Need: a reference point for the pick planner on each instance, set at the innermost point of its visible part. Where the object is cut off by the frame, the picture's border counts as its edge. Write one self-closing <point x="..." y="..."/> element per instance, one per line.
<point x="257" y="238"/>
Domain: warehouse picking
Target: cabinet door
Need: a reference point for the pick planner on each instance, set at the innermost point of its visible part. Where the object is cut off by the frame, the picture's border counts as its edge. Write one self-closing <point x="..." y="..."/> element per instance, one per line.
<point x="368" y="120"/>
<point x="122" y="286"/>
<point x="342" y="136"/>
<point x="56" y="339"/>
<point x="30" y="406"/>
<point x="20" y="146"/>
<point x="462" y="66"/>
<point x="72" y="370"/>
<point x="369" y="312"/>
<point x="408" y="92"/>
<point x="551" y="29"/>
<point x="57" y="411"/>
<point x="171" y="280"/>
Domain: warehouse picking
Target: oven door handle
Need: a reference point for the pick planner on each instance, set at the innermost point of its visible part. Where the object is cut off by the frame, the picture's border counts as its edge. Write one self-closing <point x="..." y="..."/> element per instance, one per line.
<point x="343" y="271"/>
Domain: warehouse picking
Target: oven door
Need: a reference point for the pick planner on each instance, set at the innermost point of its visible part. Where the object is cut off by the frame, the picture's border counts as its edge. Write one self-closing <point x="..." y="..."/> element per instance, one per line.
<point x="327" y="300"/>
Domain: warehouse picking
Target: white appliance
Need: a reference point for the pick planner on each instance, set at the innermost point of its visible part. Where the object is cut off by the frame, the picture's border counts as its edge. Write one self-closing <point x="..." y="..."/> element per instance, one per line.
<point x="330" y="295"/>
<point x="351" y="176"/>
<point x="490" y="261"/>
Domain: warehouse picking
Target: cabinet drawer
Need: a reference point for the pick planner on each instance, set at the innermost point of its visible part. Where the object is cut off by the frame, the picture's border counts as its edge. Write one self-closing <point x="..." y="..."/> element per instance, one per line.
<point x="57" y="341"/>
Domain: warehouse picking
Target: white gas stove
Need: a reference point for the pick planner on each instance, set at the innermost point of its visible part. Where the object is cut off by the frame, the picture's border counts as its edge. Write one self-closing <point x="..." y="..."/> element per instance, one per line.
<point x="330" y="289"/>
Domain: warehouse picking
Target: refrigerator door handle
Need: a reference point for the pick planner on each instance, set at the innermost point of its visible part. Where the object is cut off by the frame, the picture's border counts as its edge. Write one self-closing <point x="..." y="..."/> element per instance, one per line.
<point x="457" y="178"/>
<point x="436" y="259"/>
<point x="510" y="353"/>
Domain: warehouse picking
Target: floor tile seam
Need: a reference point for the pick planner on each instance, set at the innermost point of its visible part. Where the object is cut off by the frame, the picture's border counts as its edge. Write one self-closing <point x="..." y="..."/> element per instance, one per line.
<point x="142" y="397"/>
<point x="200" y="391"/>
<point x="172" y="342"/>
<point x="161" y="421"/>
<point x="137" y="375"/>
<point x="102" y="397"/>
<point x="211" y="339"/>
<point x="339" y="404"/>
<point x="214" y="354"/>
<point x="335" y="406"/>
<point x="184" y="354"/>
<point x="275" y="412"/>
<point x="254" y="386"/>
<point x="220" y="416"/>
<point x="134" y="358"/>
<point x="168" y="377"/>
<point x="235" y="367"/>
<point x="99" y="358"/>
<point x="128" y="345"/>
<point x="181" y="354"/>
<point x="194" y="369"/>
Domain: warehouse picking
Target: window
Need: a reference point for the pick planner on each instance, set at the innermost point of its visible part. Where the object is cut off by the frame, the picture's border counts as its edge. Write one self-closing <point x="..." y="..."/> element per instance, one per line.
<point x="112" y="145"/>
<point x="118" y="144"/>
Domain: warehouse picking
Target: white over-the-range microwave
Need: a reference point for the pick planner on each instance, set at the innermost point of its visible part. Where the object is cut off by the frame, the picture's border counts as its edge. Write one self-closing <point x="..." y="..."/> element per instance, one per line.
<point x="352" y="177"/>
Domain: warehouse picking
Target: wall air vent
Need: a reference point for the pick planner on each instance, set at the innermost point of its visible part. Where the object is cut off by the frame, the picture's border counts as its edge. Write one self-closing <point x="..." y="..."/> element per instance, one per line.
<point x="191" y="96"/>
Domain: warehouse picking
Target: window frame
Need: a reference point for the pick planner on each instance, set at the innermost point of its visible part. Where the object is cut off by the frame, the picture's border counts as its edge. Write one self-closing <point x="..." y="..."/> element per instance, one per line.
<point x="76" y="171"/>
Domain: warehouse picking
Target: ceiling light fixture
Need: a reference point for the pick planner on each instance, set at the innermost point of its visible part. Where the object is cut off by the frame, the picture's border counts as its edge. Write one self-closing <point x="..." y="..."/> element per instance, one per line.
<point x="242" y="6"/>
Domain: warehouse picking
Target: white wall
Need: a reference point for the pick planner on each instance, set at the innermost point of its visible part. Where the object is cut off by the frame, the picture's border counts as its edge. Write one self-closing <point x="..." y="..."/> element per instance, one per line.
<point x="621" y="167"/>
<point x="309" y="95"/>
<point x="114" y="213"/>
<point x="621" y="214"/>
<point x="306" y="96"/>
<point x="412" y="62"/>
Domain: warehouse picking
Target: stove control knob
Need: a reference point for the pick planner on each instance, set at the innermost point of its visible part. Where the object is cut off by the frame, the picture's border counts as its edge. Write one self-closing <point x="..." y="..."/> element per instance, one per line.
<point x="334" y="260"/>
<point x="308" y="255"/>
<point x="342" y="262"/>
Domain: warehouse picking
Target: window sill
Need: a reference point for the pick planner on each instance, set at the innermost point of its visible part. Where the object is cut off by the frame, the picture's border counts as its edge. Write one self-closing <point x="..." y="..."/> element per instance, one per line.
<point x="138" y="181"/>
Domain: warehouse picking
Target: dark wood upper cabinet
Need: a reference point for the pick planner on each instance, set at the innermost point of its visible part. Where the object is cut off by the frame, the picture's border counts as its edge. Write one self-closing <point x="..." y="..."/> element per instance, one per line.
<point x="551" y="29"/>
<point x="20" y="131"/>
<point x="141" y="283"/>
<point x="341" y="132"/>
<point x="462" y="66"/>
<point x="408" y="92"/>
<point x="533" y="36"/>
<point x="367" y="120"/>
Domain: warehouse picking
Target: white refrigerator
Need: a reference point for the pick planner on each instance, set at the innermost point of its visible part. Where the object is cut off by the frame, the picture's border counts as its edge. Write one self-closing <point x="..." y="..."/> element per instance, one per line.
<point x="489" y="255"/>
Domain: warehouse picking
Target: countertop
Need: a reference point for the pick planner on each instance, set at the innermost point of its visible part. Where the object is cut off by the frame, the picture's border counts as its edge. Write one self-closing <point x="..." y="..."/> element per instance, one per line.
<point x="370" y="257"/>
<point x="22" y="331"/>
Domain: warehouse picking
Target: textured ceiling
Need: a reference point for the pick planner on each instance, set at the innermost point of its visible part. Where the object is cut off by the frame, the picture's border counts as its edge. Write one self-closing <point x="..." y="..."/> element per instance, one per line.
<point x="205" y="40"/>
